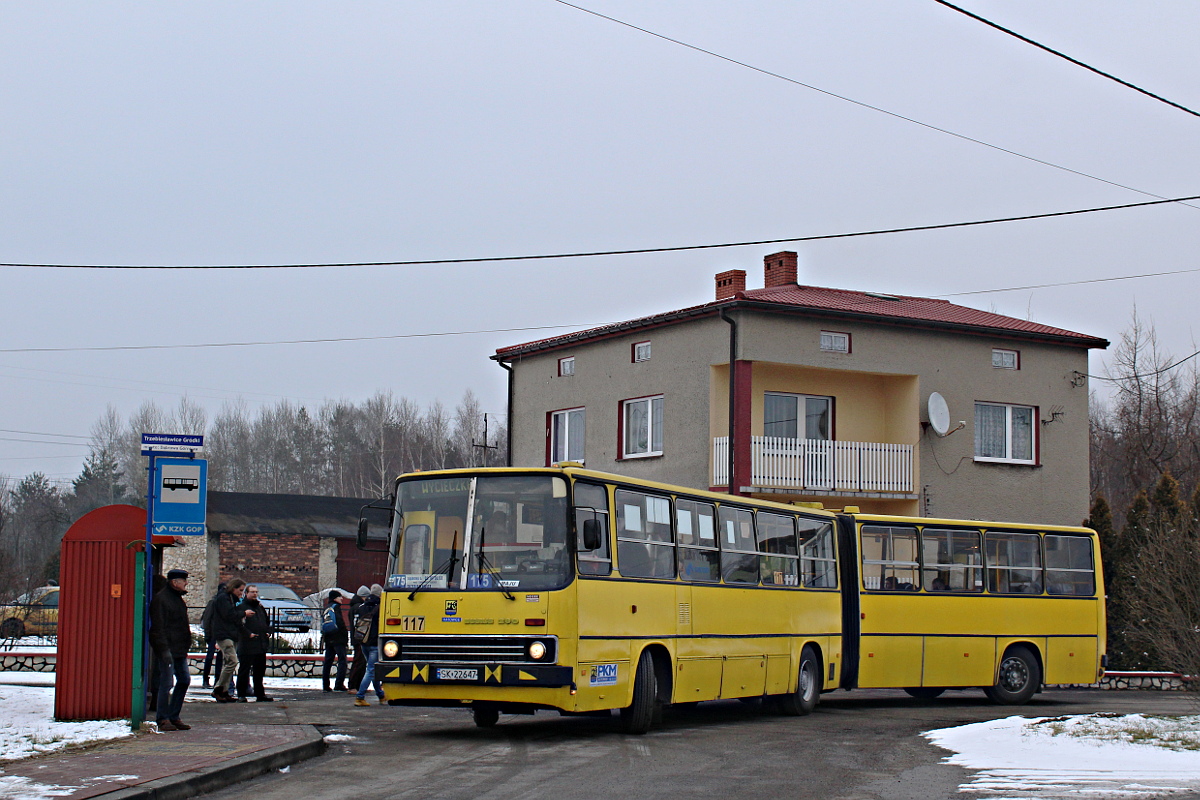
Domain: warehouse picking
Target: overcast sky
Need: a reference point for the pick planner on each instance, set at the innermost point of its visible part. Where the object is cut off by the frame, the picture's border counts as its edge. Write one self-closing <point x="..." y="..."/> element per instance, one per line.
<point x="267" y="133"/>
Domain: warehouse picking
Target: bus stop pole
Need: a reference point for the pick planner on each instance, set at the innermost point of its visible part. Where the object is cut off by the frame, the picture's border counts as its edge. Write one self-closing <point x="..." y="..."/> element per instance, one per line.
<point x="145" y="662"/>
<point x="138" y="707"/>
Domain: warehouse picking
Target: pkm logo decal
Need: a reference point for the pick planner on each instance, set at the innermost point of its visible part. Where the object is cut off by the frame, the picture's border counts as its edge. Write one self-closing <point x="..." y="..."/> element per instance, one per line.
<point x="451" y="608"/>
<point x="602" y="675"/>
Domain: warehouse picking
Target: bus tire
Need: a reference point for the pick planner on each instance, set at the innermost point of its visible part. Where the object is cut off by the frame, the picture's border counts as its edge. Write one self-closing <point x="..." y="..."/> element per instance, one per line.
<point x="808" y="686"/>
<point x="1018" y="679"/>
<point x="485" y="716"/>
<point x="639" y="716"/>
<point x="924" y="692"/>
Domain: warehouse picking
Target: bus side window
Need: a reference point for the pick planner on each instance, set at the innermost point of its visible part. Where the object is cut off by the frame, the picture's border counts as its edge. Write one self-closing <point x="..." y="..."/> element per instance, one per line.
<point x="1069" y="567"/>
<point x="818" y="561"/>
<point x="951" y="561"/>
<point x="739" y="553"/>
<point x="889" y="558"/>
<point x="1014" y="563"/>
<point x="699" y="559"/>
<point x="778" y="560"/>
<point x="591" y="502"/>
<point x="645" y="538"/>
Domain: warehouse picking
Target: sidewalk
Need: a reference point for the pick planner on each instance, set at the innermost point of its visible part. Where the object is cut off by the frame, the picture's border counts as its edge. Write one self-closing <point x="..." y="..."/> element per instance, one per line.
<point x="218" y="751"/>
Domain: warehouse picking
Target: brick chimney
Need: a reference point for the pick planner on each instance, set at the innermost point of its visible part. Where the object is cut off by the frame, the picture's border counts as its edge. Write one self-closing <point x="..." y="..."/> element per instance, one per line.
<point x="779" y="269"/>
<point x="730" y="283"/>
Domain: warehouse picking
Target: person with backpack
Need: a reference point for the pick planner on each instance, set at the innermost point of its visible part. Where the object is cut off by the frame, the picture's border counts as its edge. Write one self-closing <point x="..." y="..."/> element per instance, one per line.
<point x="366" y="627"/>
<point x="335" y="634"/>
<point x="358" y="666"/>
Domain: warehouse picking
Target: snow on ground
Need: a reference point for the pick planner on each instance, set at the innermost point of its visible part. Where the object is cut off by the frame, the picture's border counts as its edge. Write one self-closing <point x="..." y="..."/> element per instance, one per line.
<point x="27" y="725"/>
<point x="1108" y="755"/>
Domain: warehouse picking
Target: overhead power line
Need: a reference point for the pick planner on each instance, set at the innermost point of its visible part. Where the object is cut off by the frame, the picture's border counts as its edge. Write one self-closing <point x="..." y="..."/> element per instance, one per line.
<point x="38" y="441"/>
<point x="1150" y="374"/>
<point x="579" y="325"/>
<point x="284" y="341"/>
<point x="1063" y="55"/>
<point x="1070" y="283"/>
<point x="594" y="253"/>
<point x="43" y="433"/>
<point x="859" y="103"/>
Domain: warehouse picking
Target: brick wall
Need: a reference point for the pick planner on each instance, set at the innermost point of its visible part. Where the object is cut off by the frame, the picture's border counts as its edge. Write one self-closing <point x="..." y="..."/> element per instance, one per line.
<point x="287" y="558"/>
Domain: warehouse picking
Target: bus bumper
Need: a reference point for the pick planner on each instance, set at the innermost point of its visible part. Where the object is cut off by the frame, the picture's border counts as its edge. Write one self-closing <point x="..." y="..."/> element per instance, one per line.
<point x="438" y="674"/>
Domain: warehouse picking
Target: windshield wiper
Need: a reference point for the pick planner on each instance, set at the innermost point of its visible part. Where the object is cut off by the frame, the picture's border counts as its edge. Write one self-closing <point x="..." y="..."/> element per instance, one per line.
<point x="450" y="562"/>
<point x="485" y="564"/>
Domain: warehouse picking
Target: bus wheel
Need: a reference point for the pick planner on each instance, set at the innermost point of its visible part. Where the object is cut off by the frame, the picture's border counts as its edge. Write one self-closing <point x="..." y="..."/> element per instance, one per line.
<point x="1020" y="676"/>
<point x="638" y="717"/>
<point x="924" y="692"/>
<point x="485" y="716"/>
<point x="808" y="686"/>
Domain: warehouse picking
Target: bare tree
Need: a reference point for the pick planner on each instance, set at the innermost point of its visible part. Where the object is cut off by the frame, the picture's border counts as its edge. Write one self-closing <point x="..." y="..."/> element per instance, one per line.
<point x="1150" y="426"/>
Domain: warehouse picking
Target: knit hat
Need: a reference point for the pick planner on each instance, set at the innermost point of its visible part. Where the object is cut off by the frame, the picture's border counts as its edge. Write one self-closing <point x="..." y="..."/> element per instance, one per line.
<point x="363" y="591"/>
<point x="177" y="573"/>
<point x="376" y="589"/>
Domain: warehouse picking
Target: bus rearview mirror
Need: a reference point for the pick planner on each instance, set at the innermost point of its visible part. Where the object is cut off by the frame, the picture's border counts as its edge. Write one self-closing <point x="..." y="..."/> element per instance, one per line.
<point x="362" y="532"/>
<point x="591" y="534"/>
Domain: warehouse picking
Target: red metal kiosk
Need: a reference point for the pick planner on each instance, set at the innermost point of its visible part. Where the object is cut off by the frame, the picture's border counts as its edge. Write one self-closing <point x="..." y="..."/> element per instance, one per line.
<point x="100" y="597"/>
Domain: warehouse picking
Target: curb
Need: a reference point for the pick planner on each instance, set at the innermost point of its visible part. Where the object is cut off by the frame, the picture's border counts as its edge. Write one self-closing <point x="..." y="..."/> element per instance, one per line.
<point x="219" y="776"/>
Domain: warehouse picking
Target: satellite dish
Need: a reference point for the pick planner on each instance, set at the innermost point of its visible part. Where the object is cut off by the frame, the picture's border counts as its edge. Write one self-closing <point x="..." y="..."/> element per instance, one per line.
<point x="939" y="414"/>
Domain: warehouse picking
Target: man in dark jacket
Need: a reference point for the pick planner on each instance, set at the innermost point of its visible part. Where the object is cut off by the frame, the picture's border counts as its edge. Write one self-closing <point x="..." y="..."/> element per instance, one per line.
<point x="252" y="647"/>
<point x="170" y="638"/>
<point x="227" y="628"/>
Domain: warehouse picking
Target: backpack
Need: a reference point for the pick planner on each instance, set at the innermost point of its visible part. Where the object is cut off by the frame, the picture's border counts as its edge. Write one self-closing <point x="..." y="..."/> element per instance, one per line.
<point x="329" y="623"/>
<point x="206" y="617"/>
<point x="362" y="627"/>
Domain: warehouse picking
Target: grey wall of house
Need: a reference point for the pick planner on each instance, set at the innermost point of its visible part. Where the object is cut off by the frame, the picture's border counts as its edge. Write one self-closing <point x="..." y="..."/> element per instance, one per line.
<point x="605" y="375"/>
<point x="958" y="366"/>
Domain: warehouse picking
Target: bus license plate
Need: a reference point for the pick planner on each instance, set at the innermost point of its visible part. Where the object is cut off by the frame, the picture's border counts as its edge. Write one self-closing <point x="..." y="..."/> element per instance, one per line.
<point x="448" y="674"/>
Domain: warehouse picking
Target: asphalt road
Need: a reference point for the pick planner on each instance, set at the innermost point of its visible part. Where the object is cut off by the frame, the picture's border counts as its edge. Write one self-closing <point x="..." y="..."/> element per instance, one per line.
<point x="863" y="744"/>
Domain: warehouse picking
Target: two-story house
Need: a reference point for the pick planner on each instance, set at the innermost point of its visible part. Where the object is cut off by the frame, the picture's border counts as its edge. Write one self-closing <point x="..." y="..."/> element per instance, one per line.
<point x="894" y="404"/>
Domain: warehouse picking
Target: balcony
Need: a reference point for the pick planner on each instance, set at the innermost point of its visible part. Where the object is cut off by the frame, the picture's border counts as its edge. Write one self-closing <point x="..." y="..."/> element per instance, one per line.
<point x="821" y="466"/>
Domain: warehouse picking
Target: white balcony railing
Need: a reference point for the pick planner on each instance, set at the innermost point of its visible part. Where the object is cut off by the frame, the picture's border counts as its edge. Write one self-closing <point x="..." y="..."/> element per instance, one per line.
<point x="817" y="465"/>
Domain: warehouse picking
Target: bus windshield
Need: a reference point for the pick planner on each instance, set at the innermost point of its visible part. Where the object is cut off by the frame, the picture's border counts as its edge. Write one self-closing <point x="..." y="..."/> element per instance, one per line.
<point x="487" y="532"/>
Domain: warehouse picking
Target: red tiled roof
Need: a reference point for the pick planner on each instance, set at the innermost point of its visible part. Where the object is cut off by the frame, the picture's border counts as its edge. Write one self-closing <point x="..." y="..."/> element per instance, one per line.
<point x="822" y="302"/>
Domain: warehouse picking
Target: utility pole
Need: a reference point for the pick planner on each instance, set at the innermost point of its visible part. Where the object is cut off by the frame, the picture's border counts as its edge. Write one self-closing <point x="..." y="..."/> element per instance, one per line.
<point x="485" y="446"/>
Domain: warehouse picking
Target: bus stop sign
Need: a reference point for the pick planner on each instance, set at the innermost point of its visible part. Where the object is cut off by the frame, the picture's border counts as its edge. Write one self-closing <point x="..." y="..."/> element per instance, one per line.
<point x="180" y="496"/>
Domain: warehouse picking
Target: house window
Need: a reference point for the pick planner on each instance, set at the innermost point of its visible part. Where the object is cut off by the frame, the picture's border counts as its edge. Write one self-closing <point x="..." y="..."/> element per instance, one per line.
<point x="641" y="351"/>
<point x="566" y="366"/>
<point x="642" y="420"/>
<point x="782" y="416"/>
<point x="1006" y="359"/>
<point x="1004" y="433"/>
<point x="835" y="342"/>
<point x="566" y="435"/>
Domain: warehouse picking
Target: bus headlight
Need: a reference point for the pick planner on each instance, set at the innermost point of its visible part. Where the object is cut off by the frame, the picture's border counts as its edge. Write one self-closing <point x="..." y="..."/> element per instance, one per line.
<point x="537" y="651"/>
<point x="391" y="648"/>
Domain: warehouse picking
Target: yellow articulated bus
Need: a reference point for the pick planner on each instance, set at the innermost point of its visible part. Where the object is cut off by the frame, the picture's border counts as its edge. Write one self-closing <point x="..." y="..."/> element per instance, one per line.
<point x="512" y="590"/>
